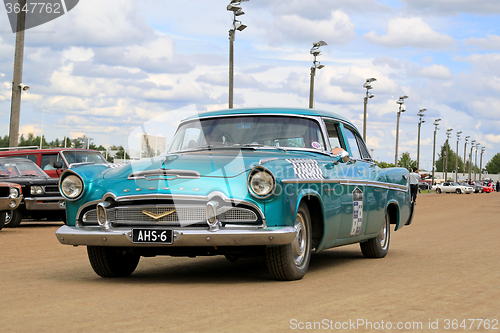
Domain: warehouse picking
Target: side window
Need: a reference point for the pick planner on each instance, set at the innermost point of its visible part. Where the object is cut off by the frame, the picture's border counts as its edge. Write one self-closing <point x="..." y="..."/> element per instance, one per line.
<point x="31" y="157"/>
<point x="48" y="160"/>
<point x="353" y="143"/>
<point x="364" y="151"/>
<point x="333" y="134"/>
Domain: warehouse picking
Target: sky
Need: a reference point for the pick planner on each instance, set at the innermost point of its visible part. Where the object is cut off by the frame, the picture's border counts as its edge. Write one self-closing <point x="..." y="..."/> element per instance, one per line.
<point x="129" y="63"/>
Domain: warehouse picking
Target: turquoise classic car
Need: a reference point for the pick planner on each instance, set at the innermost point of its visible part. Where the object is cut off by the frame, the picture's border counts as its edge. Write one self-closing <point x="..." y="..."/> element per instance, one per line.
<point x="278" y="183"/>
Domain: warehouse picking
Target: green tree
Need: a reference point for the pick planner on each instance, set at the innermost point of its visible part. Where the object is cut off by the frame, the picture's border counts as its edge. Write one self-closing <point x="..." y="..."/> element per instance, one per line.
<point x="384" y="165"/>
<point x="493" y="166"/>
<point x="120" y="152"/>
<point x="452" y="160"/>
<point x="405" y="161"/>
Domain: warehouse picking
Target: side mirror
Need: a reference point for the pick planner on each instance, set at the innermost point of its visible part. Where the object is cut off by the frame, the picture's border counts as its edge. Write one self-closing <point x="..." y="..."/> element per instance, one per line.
<point x="58" y="165"/>
<point x="343" y="156"/>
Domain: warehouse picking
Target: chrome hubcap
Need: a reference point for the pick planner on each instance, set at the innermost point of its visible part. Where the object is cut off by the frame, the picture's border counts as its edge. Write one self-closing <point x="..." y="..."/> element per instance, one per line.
<point x="299" y="243"/>
<point x="383" y="234"/>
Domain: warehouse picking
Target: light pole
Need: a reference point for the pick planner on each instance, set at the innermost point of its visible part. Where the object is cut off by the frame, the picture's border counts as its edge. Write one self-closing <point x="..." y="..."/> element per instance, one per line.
<point x="17" y="86"/>
<point x="368" y="86"/>
<point x="420" y="114"/>
<point x="481" y="162"/>
<point x="465" y="152"/>
<point x="436" y="123"/>
<point x="456" y="163"/>
<point x="316" y="65"/>
<point x="475" y="161"/>
<point x="234" y="6"/>
<point x="470" y="159"/>
<point x="448" y="134"/>
<point x="401" y="102"/>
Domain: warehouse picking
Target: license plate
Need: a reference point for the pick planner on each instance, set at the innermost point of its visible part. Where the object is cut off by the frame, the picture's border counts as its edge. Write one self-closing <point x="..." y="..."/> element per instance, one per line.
<point x="161" y="236"/>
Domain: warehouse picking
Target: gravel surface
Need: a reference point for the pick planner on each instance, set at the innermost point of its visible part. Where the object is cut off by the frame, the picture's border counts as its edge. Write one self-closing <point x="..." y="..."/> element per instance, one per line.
<point x="443" y="267"/>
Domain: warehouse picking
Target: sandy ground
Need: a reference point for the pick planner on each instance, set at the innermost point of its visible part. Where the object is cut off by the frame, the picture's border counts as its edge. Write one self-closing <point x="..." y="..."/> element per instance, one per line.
<point x="443" y="267"/>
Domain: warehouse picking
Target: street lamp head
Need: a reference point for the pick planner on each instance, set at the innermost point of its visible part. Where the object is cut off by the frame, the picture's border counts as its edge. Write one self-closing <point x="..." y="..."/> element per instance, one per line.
<point x="422" y="111"/>
<point x="371" y="95"/>
<point x="315" y="52"/>
<point x="320" y="43"/>
<point x="239" y="12"/>
<point x="367" y="86"/>
<point x="240" y="26"/>
<point x="320" y="66"/>
<point x="458" y="133"/>
<point x="422" y="121"/>
<point x="233" y="8"/>
<point x="24" y="87"/>
<point x="370" y="80"/>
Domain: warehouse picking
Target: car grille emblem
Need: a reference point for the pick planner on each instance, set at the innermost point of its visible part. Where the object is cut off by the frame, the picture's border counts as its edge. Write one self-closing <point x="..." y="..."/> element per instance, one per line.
<point x="158" y="216"/>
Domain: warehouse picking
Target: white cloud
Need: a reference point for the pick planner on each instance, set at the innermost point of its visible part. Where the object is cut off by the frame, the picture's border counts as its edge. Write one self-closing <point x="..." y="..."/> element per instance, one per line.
<point x="491" y="42"/>
<point x="448" y="7"/>
<point x="78" y="54"/>
<point x="433" y="72"/>
<point x="410" y="31"/>
<point x="337" y="29"/>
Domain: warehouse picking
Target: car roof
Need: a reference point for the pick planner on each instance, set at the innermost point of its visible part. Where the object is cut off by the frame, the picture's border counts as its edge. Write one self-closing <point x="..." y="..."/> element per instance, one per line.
<point x="15" y="159"/>
<point x="51" y="150"/>
<point x="273" y="111"/>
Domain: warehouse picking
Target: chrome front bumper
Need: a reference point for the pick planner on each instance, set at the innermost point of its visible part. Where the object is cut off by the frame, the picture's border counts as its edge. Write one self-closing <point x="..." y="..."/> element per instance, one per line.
<point x="96" y="236"/>
<point x="45" y="203"/>
<point x="4" y="203"/>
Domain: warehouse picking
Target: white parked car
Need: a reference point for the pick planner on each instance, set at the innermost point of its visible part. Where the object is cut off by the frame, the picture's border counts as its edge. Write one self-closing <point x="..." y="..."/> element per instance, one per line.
<point x="450" y="187"/>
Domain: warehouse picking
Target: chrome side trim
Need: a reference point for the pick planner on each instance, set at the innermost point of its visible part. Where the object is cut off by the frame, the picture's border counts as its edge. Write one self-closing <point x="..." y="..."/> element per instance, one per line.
<point x="184" y="174"/>
<point x="371" y="183"/>
<point x="95" y="236"/>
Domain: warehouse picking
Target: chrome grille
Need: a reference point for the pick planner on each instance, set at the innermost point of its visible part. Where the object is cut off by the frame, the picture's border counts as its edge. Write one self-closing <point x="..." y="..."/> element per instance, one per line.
<point x="51" y="189"/>
<point x="184" y="214"/>
<point x="238" y="215"/>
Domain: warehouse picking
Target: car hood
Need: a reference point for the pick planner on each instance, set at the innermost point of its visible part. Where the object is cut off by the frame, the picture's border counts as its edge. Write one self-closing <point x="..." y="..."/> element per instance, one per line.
<point x="225" y="163"/>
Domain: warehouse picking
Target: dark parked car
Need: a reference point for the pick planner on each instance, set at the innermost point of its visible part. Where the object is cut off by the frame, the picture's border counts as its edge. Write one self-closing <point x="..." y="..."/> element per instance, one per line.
<point x="10" y="198"/>
<point x="41" y="196"/>
<point x="424" y="186"/>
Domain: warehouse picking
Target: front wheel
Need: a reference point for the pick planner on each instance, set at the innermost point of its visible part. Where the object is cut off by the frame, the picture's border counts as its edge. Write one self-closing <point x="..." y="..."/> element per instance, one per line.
<point x="378" y="247"/>
<point x="291" y="261"/>
<point x="111" y="261"/>
<point x="458" y="191"/>
<point x="2" y="219"/>
<point x="13" y="218"/>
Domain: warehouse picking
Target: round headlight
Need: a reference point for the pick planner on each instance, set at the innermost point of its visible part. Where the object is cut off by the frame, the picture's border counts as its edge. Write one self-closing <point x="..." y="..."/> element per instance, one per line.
<point x="36" y="190"/>
<point x="71" y="187"/>
<point x="262" y="183"/>
<point x="14" y="192"/>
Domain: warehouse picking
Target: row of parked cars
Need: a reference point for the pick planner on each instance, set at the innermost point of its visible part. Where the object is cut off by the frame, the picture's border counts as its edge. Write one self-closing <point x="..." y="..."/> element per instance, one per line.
<point x="29" y="182"/>
<point x="459" y="187"/>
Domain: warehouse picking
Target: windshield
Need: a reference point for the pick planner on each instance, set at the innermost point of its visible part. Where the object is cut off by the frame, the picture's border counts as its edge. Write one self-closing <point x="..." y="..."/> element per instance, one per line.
<point x="84" y="157"/>
<point x="249" y="131"/>
<point x="18" y="169"/>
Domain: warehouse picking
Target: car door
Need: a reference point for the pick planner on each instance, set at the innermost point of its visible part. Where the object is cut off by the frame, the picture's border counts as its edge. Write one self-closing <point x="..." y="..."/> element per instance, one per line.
<point x="354" y="216"/>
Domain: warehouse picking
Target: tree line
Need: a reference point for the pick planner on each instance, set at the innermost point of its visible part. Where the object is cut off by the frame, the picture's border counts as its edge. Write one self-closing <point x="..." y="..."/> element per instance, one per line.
<point x="32" y="140"/>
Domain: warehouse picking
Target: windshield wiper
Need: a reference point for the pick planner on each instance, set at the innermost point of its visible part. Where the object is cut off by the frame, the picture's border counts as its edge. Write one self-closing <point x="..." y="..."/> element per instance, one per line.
<point x="258" y="145"/>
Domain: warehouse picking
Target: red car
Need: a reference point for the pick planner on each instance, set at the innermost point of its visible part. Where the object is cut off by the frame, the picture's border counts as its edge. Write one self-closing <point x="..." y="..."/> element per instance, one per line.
<point x="488" y="188"/>
<point x="54" y="161"/>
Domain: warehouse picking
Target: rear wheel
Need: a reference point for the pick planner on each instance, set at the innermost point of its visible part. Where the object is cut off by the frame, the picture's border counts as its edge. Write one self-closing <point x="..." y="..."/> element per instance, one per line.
<point x="438" y="191"/>
<point x="378" y="247"/>
<point x="111" y="261"/>
<point x="13" y="218"/>
<point x="290" y="262"/>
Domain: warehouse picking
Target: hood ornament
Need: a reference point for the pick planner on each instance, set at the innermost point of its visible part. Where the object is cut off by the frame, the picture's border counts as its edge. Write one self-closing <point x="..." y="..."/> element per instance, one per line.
<point x="158" y="216"/>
